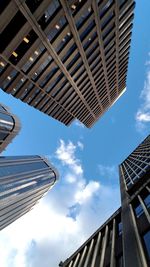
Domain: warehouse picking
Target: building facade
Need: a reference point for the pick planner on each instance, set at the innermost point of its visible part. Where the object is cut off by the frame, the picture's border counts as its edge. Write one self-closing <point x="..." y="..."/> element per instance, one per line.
<point x="68" y="59"/>
<point x="9" y="127"/>
<point x="124" y="239"/>
<point x="23" y="181"/>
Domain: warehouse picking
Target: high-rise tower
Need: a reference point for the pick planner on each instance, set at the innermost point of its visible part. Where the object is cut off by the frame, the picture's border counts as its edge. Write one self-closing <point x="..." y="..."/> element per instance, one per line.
<point x="68" y="59"/>
<point x="124" y="239"/>
<point x="9" y="127"/>
<point x="23" y="181"/>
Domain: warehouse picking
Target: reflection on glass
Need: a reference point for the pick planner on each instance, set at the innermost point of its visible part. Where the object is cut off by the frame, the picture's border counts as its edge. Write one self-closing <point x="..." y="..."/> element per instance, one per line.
<point x="6" y="122"/>
<point x="20" y="168"/>
<point x="147" y="201"/>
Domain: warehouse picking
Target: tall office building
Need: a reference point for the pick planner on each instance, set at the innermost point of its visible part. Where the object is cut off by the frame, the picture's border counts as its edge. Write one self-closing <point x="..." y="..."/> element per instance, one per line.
<point x="66" y="58"/>
<point x="9" y="127"/>
<point x="23" y="181"/>
<point x="124" y="239"/>
<point x="135" y="199"/>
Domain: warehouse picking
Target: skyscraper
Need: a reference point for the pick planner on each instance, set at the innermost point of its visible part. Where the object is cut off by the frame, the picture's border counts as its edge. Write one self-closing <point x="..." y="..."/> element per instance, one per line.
<point x="124" y="239"/>
<point x="9" y="127"/>
<point x="68" y="59"/>
<point x="23" y="181"/>
<point x="135" y="199"/>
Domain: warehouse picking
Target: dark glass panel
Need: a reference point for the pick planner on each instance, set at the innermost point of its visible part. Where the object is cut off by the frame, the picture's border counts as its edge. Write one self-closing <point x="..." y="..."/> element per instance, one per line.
<point x="4" y="4"/>
<point x="139" y="211"/>
<point x="3" y="135"/>
<point x="9" y="79"/>
<point x="12" y="29"/>
<point x="147" y="201"/>
<point x="6" y="122"/>
<point x="87" y="30"/>
<point x="105" y="8"/>
<point x="146" y="238"/>
<point x="33" y="4"/>
<point x="120" y="228"/>
<point x="23" y="47"/>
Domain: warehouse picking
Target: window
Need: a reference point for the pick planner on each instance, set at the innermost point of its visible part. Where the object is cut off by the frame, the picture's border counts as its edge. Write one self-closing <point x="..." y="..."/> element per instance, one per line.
<point x="85" y="15"/>
<point x="26" y="90"/>
<point x="48" y="76"/>
<point x="41" y="68"/>
<point x="3" y="65"/>
<point x="120" y="228"/>
<point x="87" y="30"/>
<point x="12" y="28"/>
<point x="20" y="168"/>
<point x="33" y="57"/>
<point x="23" y="47"/>
<point x="121" y="2"/>
<point x="19" y="85"/>
<point x="49" y="13"/>
<point x="147" y="201"/>
<point x="6" y="122"/>
<point x="9" y="79"/>
<point x="105" y="8"/>
<point x="56" y="30"/>
<point x="69" y="52"/>
<point x="139" y="211"/>
<point x="33" y="5"/>
<point x="108" y="19"/>
<point x="146" y="238"/>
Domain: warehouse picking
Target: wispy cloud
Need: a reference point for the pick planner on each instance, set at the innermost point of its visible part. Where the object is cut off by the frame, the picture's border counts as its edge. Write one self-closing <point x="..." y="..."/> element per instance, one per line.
<point x="66" y="153"/>
<point x="58" y="224"/>
<point x="107" y="171"/>
<point x="143" y="113"/>
<point x="109" y="174"/>
<point x="78" y="124"/>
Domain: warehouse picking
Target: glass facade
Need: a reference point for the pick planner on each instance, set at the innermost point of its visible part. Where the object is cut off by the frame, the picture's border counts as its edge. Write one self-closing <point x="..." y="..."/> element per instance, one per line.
<point x="9" y="127"/>
<point x="23" y="181"/>
<point x="20" y="168"/>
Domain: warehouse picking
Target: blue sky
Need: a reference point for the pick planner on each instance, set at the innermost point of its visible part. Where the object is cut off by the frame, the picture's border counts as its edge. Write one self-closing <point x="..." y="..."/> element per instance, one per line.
<point x="87" y="160"/>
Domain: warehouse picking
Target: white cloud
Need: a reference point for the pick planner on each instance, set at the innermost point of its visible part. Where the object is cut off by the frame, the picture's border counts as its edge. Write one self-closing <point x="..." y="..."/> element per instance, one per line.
<point x="143" y="117"/>
<point x="78" y="124"/>
<point x="143" y="113"/>
<point x="87" y="192"/>
<point x="80" y="145"/>
<point x="50" y="232"/>
<point x="65" y="153"/>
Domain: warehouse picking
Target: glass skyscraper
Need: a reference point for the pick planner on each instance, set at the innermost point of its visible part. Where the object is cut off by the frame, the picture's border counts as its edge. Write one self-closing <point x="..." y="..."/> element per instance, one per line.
<point x="23" y="181"/>
<point x="9" y="126"/>
<point x="124" y="239"/>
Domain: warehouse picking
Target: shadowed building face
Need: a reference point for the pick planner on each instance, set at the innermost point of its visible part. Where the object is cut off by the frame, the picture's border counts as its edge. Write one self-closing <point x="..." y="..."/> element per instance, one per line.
<point x="23" y="181"/>
<point x="67" y="59"/>
<point x="9" y="127"/>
